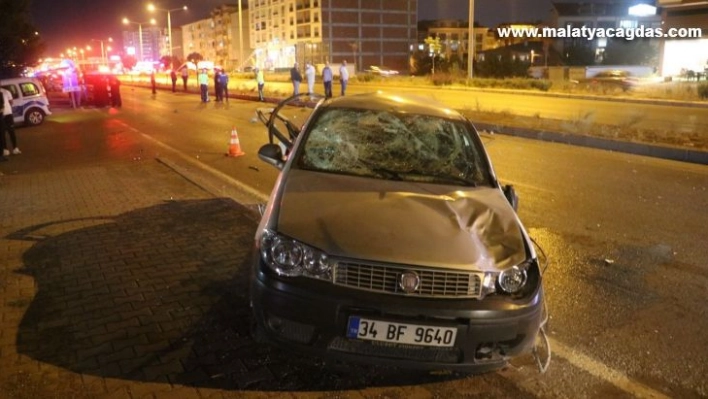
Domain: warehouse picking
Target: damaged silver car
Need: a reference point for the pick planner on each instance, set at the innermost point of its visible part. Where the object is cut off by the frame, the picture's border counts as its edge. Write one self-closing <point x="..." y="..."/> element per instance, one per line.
<point x="388" y="239"/>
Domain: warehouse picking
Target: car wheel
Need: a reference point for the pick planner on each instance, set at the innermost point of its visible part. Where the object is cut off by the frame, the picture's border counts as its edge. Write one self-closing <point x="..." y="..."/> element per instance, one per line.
<point x="34" y="116"/>
<point x="257" y="333"/>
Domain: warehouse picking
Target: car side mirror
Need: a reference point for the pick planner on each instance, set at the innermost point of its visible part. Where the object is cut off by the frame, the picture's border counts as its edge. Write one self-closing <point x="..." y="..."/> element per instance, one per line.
<point x="510" y="194"/>
<point x="272" y="154"/>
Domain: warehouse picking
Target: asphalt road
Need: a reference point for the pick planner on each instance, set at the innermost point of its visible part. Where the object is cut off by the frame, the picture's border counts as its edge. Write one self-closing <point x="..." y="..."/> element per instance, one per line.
<point x="587" y="112"/>
<point x="624" y="236"/>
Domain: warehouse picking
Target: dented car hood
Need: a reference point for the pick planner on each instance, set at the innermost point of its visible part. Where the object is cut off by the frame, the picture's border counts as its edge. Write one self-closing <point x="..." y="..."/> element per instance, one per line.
<point x="431" y="225"/>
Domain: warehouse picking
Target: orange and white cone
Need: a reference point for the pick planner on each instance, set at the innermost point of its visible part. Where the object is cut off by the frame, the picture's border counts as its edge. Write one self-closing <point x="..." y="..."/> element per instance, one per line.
<point x="235" y="145"/>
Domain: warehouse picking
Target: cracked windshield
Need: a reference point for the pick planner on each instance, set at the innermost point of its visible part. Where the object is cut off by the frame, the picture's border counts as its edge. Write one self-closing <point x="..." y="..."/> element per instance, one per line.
<point x="395" y="146"/>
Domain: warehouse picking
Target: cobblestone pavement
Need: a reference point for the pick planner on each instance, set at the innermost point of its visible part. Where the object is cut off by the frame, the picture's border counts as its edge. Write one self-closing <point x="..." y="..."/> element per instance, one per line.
<point x="123" y="279"/>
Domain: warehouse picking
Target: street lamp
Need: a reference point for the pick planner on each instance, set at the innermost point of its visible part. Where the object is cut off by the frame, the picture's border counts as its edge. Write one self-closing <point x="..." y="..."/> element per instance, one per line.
<point x="126" y="21"/>
<point x="151" y="7"/>
<point x="103" y="48"/>
<point x="470" y="42"/>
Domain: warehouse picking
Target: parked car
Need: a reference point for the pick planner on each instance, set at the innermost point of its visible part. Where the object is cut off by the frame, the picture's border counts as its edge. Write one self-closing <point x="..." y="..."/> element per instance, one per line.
<point x="616" y="78"/>
<point x="388" y="239"/>
<point x="30" y="104"/>
<point x="382" y="70"/>
<point x="102" y="89"/>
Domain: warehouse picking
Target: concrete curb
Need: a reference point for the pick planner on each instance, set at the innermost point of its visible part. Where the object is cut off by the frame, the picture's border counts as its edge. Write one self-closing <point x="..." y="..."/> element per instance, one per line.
<point x="673" y="103"/>
<point x="676" y="154"/>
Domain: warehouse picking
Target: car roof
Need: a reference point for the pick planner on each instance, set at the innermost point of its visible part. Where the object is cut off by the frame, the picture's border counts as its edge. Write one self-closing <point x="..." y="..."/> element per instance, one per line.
<point x="405" y="103"/>
<point x="20" y="79"/>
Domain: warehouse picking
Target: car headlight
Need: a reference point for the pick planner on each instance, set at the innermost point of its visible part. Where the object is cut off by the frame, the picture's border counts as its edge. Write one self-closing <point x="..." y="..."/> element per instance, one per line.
<point x="513" y="279"/>
<point x="289" y="257"/>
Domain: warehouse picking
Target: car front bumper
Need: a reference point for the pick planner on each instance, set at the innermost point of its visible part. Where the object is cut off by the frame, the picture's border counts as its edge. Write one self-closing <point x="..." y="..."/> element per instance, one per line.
<point x="312" y="316"/>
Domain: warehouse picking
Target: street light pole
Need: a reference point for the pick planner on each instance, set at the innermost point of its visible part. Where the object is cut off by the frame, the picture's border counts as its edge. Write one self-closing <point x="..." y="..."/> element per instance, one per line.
<point x="126" y="21"/>
<point x="104" y="53"/>
<point x="470" y="43"/>
<point x="140" y="39"/>
<point x="169" y="35"/>
<point x="151" y="7"/>
<point x="240" y="36"/>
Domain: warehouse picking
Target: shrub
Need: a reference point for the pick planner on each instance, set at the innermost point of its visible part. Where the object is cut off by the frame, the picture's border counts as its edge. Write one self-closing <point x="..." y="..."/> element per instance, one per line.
<point x="543" y="85"/>
<point x="365" y="77"/>
<point x="442" y="79"/>
<point x="512" y="83"/>
<point x="703" y="91"/>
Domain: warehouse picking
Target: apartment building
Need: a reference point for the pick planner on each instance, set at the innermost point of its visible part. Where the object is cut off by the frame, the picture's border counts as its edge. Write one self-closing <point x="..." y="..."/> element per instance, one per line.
<point x="222" y="38"/>
<point x="684" y="54"/>
<point x="363" y="32"/>
<point x="454" y="36"/>
<point x="143" y="44"/>
<point x="611" y="14"/>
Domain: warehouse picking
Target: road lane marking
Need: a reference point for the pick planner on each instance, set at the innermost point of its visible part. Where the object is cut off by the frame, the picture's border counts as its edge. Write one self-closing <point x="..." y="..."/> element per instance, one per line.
<point x="599" y="370"/>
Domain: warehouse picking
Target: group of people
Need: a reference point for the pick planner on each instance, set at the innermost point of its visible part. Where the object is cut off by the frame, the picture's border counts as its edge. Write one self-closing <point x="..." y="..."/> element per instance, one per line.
<point x="221" y="85"/>
<point x="327" y="77"/>
<point x="221" y="81"/>
<point x="7" y="125"/>
<point x="185" y="76"/>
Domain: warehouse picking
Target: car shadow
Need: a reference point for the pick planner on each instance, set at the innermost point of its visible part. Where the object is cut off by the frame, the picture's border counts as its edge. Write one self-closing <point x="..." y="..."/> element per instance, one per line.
<point x="160" y="294"/>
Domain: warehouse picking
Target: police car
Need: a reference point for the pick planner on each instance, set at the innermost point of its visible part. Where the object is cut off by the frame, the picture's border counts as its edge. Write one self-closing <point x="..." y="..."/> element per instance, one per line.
<point x="30" y="104"/>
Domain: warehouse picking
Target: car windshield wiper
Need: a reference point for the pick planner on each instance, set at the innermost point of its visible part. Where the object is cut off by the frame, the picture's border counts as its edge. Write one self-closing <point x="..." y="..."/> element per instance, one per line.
<point x="387" y="173"/>
<point x="383" y="172"/>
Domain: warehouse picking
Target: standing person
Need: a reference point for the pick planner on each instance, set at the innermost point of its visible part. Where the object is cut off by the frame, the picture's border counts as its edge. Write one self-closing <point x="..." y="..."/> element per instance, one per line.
<point x="3" y="144"/>
<point x="114" y="84"/>
<point x="296" y="78"/>
<point x="203" y="80"/>
<point x="7" y="123"/>
<point x="260" y="80"/>
<point x="310" y="76"/>
<point x="173" y="76"/>
<point x="343" y="76"/>
<point x="327" y="80"/>
<point x="100" y="91"/>
<point x="153" y="82"/>
<point x="217" y="85"/>
<point x="224" y="85"/>
<point x="185" y="76"/>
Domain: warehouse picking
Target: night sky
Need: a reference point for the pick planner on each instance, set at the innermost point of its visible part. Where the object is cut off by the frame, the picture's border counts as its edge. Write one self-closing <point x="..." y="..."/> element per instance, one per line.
<point x="64" y="23"/>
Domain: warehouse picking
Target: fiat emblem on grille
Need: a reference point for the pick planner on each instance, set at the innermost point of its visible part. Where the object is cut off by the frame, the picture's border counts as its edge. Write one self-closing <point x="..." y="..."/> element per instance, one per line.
<point x="409" y="281"/>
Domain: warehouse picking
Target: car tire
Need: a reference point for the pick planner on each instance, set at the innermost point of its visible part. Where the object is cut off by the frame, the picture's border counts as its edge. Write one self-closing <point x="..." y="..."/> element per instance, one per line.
<point x="257" y="333"/>
<point x="34" y="116"/>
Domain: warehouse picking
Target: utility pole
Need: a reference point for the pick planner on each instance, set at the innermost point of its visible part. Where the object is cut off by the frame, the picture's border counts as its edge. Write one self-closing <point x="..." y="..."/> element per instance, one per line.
<point x="470" y="42"/>
<point x="240" y="37"/>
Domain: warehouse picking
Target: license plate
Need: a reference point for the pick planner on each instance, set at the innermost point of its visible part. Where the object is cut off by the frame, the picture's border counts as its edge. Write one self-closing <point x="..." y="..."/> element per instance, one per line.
<point x="401" y="333"/>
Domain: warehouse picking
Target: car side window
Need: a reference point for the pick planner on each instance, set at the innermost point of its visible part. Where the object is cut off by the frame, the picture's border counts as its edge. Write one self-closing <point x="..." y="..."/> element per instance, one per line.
<point x="29" y="89"/>
<point x="12" y="89"/>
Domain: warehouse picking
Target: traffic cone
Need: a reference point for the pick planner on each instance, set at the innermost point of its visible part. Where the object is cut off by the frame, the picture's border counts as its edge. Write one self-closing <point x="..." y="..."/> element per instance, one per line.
<point x="235" y="145"/>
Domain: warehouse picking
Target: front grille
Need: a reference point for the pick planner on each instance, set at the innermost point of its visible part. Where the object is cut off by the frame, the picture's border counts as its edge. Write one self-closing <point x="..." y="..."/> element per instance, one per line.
<point x="433" y="283"/>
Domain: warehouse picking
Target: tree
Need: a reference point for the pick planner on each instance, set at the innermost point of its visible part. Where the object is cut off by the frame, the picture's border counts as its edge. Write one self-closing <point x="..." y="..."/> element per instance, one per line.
<point x="20" y="44"/>
<point x="620" y="51"/>
<point x="170" y="62"/>
<point x="434" y="47"/>
<point x="420" y="63"/>
<point x="502" y="64"/>
<point x="579" y="53"/>
<point x="129" y="61"/>
<point x="194" y="57"/>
